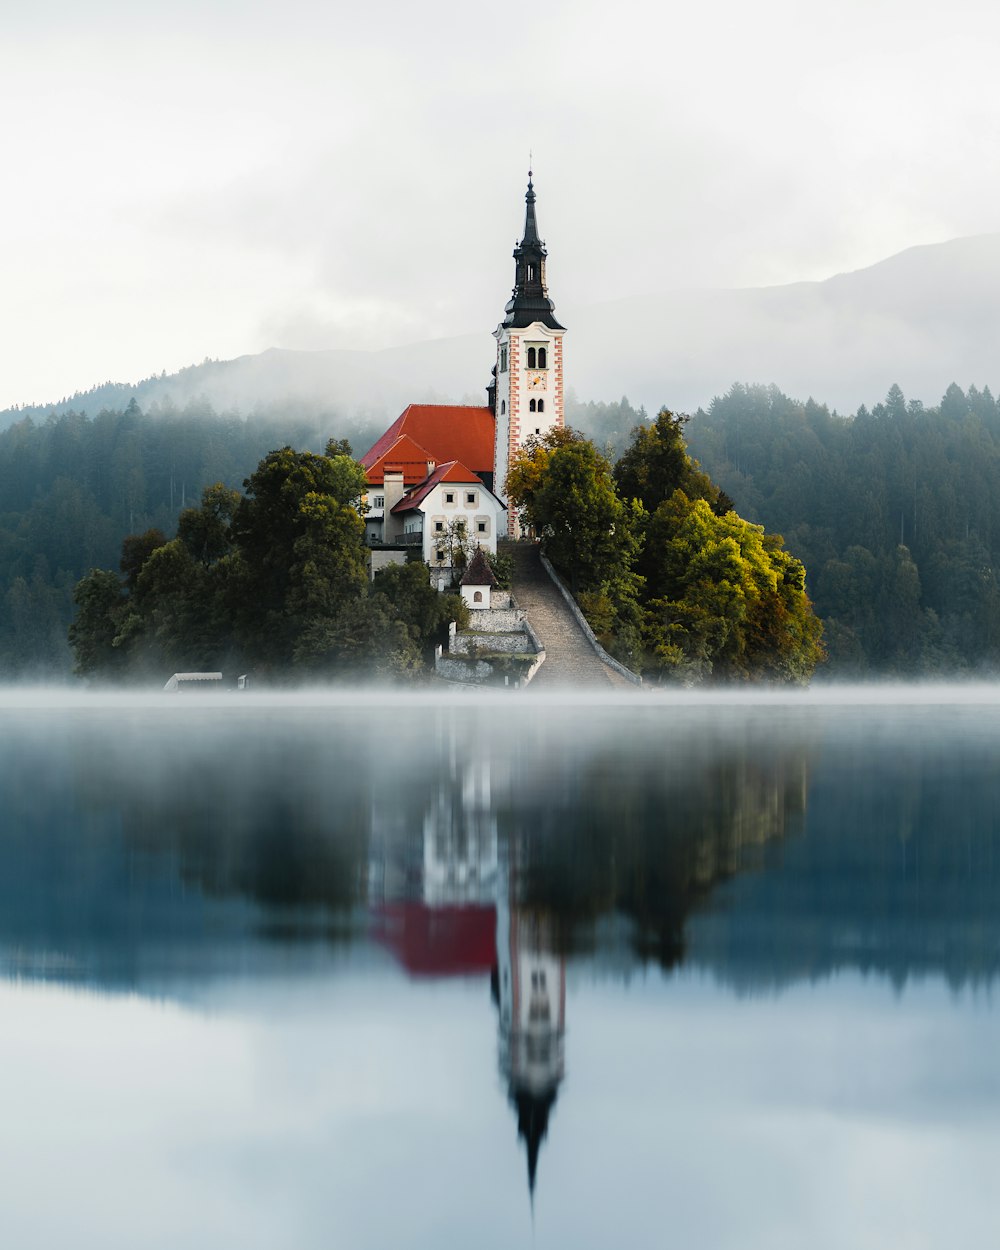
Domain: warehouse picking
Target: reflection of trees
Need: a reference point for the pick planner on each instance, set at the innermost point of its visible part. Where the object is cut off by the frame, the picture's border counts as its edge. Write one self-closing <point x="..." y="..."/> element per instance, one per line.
<point x="650" y="839"/>
<point x="285" y="827"/>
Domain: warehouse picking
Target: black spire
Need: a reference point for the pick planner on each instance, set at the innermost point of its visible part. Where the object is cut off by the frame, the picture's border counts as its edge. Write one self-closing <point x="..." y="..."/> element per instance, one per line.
<point x="530" y="300"/>
<point x="532" y="1124"/>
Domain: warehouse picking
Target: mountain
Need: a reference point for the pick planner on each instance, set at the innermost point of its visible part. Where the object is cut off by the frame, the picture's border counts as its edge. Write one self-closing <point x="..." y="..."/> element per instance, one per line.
<point x="923" y="318"/>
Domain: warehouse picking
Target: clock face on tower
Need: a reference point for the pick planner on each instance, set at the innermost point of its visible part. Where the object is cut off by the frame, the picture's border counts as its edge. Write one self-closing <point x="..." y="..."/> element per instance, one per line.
<point x="536" y="381"/>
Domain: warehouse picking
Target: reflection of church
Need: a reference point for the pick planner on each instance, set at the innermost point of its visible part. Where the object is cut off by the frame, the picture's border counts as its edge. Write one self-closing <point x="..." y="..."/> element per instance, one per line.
<point x="444" y="901"/>
<point x="529" y="987"/>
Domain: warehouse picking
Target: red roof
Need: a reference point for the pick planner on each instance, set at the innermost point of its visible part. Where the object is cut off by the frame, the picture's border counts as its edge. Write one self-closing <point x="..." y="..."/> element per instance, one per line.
<point x="439" y="941"/>
<point x="450" y="472"/>
<point x="447" y="431"/>
<point x="403" y="455"/>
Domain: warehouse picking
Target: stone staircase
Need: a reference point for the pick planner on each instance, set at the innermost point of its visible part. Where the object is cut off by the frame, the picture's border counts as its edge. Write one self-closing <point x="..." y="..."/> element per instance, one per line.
<point x="570" y="660"/>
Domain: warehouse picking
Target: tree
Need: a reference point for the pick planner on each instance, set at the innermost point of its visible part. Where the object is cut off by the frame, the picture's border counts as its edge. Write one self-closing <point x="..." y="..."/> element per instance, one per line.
<point x="566" y="491"/>
<point x="301" y="552"/>
<point x="725" y="599"/>
<point x="657" y="463"/>
<point x="99" y="602"/>
<point x="206" y="531"/>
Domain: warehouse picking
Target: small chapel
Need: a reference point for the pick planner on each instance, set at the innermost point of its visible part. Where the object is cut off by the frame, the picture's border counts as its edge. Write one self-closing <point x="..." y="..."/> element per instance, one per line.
<point x="436" y="477"/>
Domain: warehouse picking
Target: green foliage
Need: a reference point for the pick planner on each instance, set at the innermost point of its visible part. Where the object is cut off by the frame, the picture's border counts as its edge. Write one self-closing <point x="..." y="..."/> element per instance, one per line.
<point x="672" y="583"/>
<point x="894" y="511"/>
<point x="725" y="599"/>
<point x="72" y="488"/>
<point x="274" y="581"/>
<point x="656" y="464"/>
<point x="609" y="426"/>
<point x="565" y="489"/>
<point x="99" y="602"/>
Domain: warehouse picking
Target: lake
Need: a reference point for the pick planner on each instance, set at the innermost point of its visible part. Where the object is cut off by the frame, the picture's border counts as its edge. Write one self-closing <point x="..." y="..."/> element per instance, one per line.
<point x="369" y="969"/>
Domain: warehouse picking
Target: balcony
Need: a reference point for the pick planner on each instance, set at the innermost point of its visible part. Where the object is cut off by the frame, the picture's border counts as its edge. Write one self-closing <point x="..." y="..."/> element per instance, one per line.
<point x="413" y="539"/>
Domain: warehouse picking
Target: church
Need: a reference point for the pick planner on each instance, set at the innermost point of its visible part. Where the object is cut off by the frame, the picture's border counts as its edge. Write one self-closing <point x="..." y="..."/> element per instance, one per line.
<point x="436" y="477"/>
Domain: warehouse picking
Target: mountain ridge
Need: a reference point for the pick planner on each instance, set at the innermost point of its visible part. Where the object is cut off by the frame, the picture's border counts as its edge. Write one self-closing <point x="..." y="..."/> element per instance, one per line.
<point x="923" y="317"/>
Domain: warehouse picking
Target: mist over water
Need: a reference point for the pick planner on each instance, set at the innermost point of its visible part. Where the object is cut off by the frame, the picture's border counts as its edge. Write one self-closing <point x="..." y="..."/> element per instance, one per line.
<point x="534" y="964"/>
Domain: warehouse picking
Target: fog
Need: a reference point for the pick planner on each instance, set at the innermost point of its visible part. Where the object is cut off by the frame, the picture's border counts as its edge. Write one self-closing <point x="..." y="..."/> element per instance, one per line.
<point x="193" y="181"/>
<point x="924" y="319"/>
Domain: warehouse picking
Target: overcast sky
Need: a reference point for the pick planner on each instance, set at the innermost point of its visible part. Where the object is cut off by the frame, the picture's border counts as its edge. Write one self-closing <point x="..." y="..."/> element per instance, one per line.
<point x="209" y="178"/>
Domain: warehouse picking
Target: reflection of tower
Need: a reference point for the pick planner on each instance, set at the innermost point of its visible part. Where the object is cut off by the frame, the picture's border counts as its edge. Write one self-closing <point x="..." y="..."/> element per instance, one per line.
<point x="530" y="989"/>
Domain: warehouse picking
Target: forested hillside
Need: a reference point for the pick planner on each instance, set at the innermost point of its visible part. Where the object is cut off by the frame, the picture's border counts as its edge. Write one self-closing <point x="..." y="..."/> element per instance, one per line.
<point x="895" y="513"/>
<point x="71" y="488"/>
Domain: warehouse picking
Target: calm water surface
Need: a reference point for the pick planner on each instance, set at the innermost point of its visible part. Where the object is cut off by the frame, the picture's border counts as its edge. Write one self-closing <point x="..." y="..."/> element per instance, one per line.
<point x="369" y="971"/>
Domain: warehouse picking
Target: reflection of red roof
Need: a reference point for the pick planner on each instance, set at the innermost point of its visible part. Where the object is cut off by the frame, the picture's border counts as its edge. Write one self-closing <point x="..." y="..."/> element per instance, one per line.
<point x="450" y="472"/>
<point x="402" y="455"/>
<point x="440" y="941"/>
<point x="448" y="431"/>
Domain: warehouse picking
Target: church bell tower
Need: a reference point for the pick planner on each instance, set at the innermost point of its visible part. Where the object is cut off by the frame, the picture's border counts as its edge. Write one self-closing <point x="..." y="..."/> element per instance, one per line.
<point x="529" y="368"/>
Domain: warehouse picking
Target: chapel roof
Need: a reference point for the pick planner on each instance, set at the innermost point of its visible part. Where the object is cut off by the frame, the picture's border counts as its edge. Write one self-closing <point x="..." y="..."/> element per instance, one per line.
<point x="448" y="432"/>
<point x="479" y="572"/>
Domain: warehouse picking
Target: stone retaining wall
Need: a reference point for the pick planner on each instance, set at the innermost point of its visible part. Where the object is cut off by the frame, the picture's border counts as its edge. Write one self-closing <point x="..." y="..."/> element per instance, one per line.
<point x="506" y="620"/>
<point x="476" y="672"/>
<point x="474" y="640"/>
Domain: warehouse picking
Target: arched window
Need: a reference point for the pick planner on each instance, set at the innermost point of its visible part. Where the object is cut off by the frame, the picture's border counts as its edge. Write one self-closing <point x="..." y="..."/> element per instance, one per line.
<point x="531" y="273"/>
<point x="503" y="407"/>
<point x="532" y="406"/>
<point x="541" y="405"/>
<point x="477" y="597"/>
<point x="531" y="358"/>
<point x="541" y="358"/>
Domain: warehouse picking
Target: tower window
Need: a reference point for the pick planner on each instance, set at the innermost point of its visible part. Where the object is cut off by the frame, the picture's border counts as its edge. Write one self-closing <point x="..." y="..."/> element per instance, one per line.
<point x="532" y="354"/>
<point x="531" y="273"/>
<point x="541" y="405"/>
<point x="503" y="407"/>
<point x="503" y="359"/>
<point x="532" y="407"/>
<point x="541" y="358"/>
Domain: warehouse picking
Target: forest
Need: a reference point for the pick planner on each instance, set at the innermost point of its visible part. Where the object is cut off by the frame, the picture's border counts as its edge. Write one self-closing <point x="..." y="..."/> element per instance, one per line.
<point x="893" y="510"/>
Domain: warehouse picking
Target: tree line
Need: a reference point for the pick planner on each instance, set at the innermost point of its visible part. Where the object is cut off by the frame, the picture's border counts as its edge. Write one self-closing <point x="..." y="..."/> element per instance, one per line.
<point x="895" y="511"/>
<point x="671" y="579"/>
<point x="72" y="487"/>
<point x="273" y="581"/>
